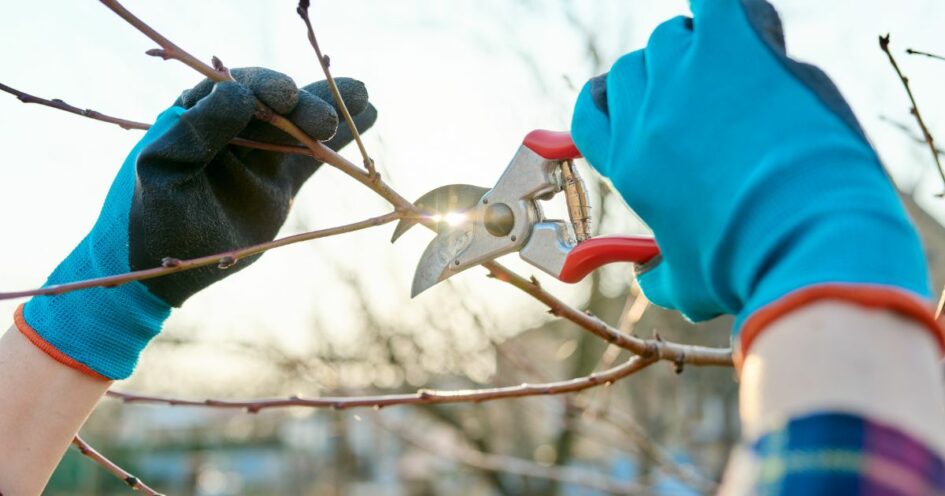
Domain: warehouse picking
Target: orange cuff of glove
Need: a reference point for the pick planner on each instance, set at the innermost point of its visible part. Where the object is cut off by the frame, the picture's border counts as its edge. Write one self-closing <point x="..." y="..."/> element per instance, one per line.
<point x="25" y="329"/>
<point x="870" y="296"/>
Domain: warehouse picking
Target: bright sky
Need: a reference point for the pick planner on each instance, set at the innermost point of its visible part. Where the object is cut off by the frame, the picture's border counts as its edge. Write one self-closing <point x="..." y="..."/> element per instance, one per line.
<point x="457" y="84"/>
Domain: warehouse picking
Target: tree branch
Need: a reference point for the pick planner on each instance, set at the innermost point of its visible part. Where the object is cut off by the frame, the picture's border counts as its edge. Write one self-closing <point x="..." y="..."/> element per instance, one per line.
<point x="884" y="46"/>
<point x="132" y="481"/>
<point x="222" y="260"/>
<point x="324" y="62"/>
<point x="128" y="124"/>
<point x="911" y="51"/>
<point x="61" y="105"/>
<point x="421" y="397"/>
<point x="663" y="350"/>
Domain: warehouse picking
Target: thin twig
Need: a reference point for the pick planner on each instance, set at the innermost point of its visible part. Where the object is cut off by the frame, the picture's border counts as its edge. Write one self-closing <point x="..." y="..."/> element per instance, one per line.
<point x="666" y="351"/>
<point x="325" y="62"/>
<point x="512" y="465"/>
<point x="222" y="260"/>
<point x="132" y="481"/>
<point x="61" y="105"/>
<point x="128" y="124"/>
<point x="421" y="397"/>
<point x="884" y="46"/>
<point x="911" y="51"/>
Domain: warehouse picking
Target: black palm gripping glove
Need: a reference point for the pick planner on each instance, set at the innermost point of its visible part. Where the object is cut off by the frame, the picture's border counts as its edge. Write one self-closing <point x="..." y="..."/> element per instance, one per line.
<point x="197" y="195"/>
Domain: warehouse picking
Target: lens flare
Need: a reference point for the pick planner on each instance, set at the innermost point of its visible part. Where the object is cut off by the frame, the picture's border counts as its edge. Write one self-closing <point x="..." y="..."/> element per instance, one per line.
<point x="451" y="218"/>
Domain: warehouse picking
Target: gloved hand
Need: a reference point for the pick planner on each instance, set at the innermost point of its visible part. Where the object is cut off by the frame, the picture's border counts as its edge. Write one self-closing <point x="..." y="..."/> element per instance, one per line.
<point x="184" y="192"/>
<point x="758" y="182"/>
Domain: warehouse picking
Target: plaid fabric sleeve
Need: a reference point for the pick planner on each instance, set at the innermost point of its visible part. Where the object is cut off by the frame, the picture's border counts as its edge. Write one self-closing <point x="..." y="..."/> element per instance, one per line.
<point x="836" y="454"/>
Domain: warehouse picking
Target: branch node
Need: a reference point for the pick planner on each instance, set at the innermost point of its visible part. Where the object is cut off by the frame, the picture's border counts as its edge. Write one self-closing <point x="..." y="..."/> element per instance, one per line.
<point x="170" y="262"/>
<point x="226" y="262"/>
<point x="679" y="362"/>
<point x="219" y="67"/>
<point x="158" y="52"/>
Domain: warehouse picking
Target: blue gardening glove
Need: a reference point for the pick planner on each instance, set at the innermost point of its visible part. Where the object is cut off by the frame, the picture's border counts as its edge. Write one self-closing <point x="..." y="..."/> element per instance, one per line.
<point x="184" y="192"/>
<point x="758" y="182"/>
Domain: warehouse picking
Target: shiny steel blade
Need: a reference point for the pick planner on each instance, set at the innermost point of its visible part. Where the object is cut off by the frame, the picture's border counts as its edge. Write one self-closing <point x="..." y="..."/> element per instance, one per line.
<point x="434" y="265"/>
<point x="445" y="199"/>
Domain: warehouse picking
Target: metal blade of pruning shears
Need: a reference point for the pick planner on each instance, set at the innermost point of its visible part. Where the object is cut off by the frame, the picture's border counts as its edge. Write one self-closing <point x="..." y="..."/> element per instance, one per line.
<point x="442" y="202"/>
<point x="439" y="254"/>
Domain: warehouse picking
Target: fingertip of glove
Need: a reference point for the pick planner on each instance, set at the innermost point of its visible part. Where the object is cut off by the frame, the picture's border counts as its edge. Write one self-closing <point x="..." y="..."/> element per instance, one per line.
<point x="273" y="88"/>
<point x="766" y="22"/>
<point x="598" y="91"/>
<point x="315" y="116"/>
<point x="230" y="98"/>
<point x="190" y="97"/>
<point x="363" y="121"/>
<point x="353" y="91"/>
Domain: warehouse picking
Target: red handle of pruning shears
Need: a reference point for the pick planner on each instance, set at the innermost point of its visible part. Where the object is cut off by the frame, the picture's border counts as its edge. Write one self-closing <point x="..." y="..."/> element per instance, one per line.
<point x="594" y="253"/>
<point x="553" y="145"/>
<point x="597" y="252"/>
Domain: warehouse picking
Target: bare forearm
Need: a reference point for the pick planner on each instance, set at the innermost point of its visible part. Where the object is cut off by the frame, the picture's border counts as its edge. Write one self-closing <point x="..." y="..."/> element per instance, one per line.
<point x="45" y="403"/>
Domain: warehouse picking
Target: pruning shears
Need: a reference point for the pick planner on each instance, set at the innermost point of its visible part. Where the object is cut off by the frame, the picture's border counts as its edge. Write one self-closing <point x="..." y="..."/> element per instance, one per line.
<point x="476" y="224"/>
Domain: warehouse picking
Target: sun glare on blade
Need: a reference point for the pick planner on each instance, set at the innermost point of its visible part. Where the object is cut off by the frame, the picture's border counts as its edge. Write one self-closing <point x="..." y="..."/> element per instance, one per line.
<point x="451" y="218"/>
<point x="454" y="218"/>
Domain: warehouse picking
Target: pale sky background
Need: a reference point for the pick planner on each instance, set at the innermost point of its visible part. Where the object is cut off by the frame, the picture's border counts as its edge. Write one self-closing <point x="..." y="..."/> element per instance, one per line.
<point x="458" y="83"/>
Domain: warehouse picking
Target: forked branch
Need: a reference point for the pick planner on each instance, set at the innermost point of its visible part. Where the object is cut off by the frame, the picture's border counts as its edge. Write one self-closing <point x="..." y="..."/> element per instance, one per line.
<point x="926" y="134"/>
<point x="126" y="477"/>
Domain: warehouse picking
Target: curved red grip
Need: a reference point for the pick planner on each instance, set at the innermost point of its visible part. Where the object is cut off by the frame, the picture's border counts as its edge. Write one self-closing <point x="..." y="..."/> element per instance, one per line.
<point x="596" y="252"/>
<point x="553" y="145"/>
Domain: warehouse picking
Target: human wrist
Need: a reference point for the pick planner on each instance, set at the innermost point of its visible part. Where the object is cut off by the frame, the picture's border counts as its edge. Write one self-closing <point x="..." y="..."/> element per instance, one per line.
<point x="97" y="330"/>
<point x="843" y="357"/>
<point x="867" y="255"/>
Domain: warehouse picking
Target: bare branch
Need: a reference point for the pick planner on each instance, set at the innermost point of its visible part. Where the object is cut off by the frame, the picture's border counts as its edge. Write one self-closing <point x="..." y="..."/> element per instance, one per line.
<point x="325" y="62"/>
<point x="61" y="105"/>
<point x="664" y="350"/>
<point x="222" y="260"/>
<point x="421" y="397"/>
<point x="128" y="124"/>
<point x="169" y="51"/>
<point x="884" y="46"/>
<point x="132" y="481"/>
<point x="911" y="51"/>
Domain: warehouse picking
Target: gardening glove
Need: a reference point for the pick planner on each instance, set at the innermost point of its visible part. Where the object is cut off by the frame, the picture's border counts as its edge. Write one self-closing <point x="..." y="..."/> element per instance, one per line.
<point x="185" y="192"/>
<point x="758" y="182"/>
